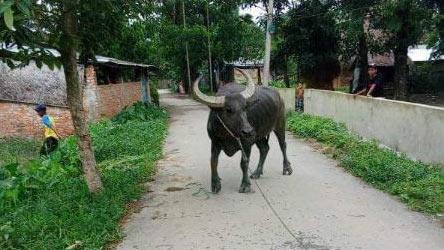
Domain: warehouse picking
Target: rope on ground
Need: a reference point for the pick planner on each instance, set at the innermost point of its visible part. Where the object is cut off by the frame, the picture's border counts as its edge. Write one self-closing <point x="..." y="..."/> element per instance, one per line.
<point x="274" y="210"/>
<point x="244" y="156"/>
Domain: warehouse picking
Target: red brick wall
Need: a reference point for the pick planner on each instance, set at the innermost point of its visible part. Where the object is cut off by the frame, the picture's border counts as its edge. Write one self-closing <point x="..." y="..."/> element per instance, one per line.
<point x="114" y="97"/>
<point x="20" y="120"/>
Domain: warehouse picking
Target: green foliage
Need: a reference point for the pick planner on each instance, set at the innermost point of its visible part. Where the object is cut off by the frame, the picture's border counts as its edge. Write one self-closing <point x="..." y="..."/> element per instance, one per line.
<point x="343" y="89"/>
<point x="231" y="36"/>
<point x="313" y="41"/>
<point x="45" y="203"/>
<point x="154" y="94"/>
<point x="436" y="36"/>
<point x="20" y="39"/>
<point x="281" y="84"/>
<point x="426" y="78"/>
<point x="140" y="112"/>
<point x="277" y="84"/>
<point x="419" y="185"/>
<point x="406" y="20"/>
<point x="14" y="150"/>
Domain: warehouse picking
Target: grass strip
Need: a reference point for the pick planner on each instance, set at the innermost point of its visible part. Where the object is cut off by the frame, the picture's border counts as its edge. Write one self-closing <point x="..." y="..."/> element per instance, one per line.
<point x="45" y="203"/>
<point x="419" y="185"/>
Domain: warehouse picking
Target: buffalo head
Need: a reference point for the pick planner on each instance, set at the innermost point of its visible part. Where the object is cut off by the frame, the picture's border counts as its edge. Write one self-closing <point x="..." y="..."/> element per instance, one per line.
<point x="231" y="108"/>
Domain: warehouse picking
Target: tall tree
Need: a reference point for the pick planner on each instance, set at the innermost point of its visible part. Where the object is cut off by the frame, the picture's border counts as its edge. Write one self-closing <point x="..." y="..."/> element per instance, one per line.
<point x="436" y="35"/>
<point x="270" y="15"/>
<point x="232" y="36"/>
<point x="69" y="47"/>
<point x="353" y="17"/>
<point x="404" y="22"/>
<point x="311" y="36"/>
<point x="71" y="27"/>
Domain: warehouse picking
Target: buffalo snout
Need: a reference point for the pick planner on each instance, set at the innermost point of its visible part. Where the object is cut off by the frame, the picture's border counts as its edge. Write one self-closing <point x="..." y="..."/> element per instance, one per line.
<point x="247" y="131"/>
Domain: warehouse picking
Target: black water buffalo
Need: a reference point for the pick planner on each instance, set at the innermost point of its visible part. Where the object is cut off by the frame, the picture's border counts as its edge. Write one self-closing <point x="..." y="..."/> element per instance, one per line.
<point x="240" y="117"/>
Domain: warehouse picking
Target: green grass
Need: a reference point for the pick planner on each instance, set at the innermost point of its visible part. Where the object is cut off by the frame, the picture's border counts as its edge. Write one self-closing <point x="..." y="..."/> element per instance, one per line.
<point x="344" y="89"/>
<point x="419" y="185"/>
<point x="281" y="84"/>
<point x="45" y="203"/>
<point x="21" y="150"/>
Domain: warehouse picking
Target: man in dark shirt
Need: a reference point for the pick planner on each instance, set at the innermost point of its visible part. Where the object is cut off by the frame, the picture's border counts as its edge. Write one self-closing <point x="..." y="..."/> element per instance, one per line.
<point x="373" y="86"/>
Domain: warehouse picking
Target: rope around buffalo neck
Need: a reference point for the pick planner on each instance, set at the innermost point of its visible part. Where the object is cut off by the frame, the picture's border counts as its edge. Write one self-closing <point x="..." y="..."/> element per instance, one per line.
<point x="244" y="157"/>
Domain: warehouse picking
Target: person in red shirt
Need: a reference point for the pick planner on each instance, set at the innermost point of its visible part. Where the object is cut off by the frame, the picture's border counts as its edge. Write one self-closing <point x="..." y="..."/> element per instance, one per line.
<point x="373" y="86"/>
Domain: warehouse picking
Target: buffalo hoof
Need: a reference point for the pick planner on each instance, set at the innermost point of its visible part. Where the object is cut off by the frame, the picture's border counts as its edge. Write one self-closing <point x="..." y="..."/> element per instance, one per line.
<point x="245" y="188"/>
<point x="216" y="186"/>
<point x="256" y="175"/>
<point x="287" y="171"/>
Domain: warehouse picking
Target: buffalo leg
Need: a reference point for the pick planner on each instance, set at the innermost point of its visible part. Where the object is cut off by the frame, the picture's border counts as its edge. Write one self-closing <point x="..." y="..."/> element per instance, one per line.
<point x="246" y="184"/>
<point x="280" y="133"/>
<point x="215" y="180"/>
<point x="263" y="151"/>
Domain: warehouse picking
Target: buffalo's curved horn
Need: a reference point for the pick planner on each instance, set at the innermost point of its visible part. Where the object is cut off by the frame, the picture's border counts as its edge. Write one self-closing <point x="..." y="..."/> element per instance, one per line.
<point x="249" y="90"/>
<point x="211" y="101"/>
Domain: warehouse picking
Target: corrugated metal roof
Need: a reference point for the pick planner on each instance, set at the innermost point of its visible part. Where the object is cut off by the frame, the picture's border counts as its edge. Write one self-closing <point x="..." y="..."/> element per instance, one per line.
<point x="105" y="60"/>
<point x="246" y="63"/>
<point x="421" y="53"/>
<point x="99" y="59"/>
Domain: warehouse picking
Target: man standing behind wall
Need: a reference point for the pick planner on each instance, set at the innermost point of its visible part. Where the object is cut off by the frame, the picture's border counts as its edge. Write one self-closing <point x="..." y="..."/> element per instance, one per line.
<point x="373" y="87"/>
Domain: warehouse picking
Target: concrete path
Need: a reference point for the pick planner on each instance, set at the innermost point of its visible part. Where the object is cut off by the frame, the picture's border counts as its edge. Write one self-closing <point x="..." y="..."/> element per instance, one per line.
<point x="319" y="207"/>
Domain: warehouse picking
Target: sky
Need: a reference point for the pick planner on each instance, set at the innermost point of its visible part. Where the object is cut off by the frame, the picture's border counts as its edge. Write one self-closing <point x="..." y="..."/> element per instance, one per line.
<point x="254" y="11"/>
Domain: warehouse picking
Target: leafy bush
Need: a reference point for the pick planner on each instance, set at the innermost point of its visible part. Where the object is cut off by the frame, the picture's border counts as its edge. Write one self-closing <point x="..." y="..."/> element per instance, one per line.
<point x="277" y="84"/>
<point x="419" y="185"/>
<point x="426" y="78"/>
<point x="45" y="203"/>
<point x="18" y="150"/>
<point x="154" y="94"/>
<point x="343" y="89"/>
<point x="140" y="112"/>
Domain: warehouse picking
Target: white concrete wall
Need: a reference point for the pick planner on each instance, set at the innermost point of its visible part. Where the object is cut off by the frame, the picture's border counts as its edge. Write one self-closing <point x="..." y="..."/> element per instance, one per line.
<point x="289" y="97"/>
<point x="415" y="129"/>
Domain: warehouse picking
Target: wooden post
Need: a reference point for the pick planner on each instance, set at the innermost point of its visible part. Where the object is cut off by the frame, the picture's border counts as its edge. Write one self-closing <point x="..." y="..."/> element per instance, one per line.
<point x="146" y="98"/>
<point x="259" y="80"/>
<point x="74" y="93"/>
<point x="186" y="47"/>
<point x="268" y="43"/>
<point x="210" y="66"/>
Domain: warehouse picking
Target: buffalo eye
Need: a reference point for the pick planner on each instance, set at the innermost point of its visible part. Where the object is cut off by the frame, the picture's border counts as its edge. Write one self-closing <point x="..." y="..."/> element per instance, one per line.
<point x="229" y="110"/>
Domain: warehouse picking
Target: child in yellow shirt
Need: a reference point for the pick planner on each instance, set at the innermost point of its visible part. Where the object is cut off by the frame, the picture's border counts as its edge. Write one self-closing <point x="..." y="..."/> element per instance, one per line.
<point x="51" y="141"/>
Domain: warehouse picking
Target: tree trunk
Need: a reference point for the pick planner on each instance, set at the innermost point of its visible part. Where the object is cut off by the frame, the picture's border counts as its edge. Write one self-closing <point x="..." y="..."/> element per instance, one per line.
<point x="267" y="57"/>
<point x="187" y="55"/>
<point x="362" y="62"/>
<point x="75" y="96"/>
<point x="286" y="77"/>
<point x="360" y="74"/>
<point x="401" y="72"/>
<point x="259" y="80"/>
